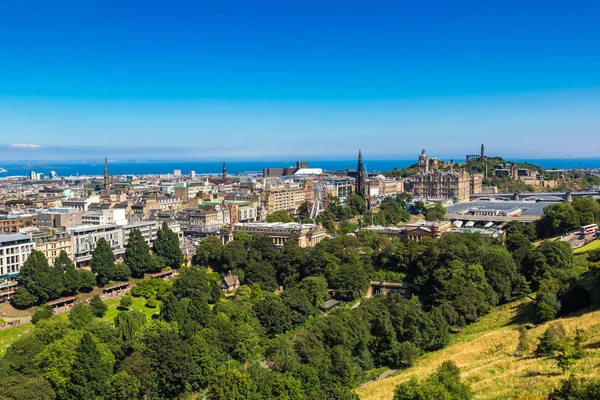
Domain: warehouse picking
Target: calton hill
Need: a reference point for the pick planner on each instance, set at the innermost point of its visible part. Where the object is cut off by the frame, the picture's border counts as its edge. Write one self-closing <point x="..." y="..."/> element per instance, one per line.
<point x="276" y="335"/>
<point x="497" y="174"/>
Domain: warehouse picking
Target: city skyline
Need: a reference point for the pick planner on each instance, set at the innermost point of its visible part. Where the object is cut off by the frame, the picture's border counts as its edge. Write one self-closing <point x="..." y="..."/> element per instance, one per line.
<point x="233" y="81"/>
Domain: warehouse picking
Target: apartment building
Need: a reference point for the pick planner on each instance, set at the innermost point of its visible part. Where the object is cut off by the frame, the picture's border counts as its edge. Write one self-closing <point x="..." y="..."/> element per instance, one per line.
<point x="51" y="242"/>
<point x="14" y="250"/>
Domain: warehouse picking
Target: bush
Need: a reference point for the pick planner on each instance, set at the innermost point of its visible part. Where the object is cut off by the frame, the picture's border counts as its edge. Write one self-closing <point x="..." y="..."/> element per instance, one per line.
<point x="151" y="302"/>
<point x="551" y="340"/>
<point x="44" y="312"/>
<point x="126" y="301"/>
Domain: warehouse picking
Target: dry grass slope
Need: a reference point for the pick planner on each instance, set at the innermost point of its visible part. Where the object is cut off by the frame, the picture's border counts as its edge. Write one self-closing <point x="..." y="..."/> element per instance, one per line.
<point x="484" y="352"/>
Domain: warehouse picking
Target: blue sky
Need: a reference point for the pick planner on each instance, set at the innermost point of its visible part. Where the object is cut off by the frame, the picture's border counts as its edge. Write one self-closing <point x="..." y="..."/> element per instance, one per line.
<point x="244" y="80"/>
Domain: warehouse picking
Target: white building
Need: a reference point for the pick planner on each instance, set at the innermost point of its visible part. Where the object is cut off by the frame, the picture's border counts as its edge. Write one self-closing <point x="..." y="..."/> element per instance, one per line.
<point x="85" y="237"/>
<point x="80" y="204"/>
<point x="103" y="217"/>
<point x="148" y="229"/>
<point x="14" y="250"/>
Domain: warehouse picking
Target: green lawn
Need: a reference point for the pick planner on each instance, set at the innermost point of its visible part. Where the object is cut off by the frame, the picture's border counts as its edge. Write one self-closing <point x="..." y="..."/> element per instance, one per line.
<point x="588" y="247"/>
<point x="10" y="335"/>
<point x="138" y="304"/>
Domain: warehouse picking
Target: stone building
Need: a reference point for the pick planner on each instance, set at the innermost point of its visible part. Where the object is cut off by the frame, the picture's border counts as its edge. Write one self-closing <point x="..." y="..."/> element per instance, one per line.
<point x="52" y="242"/>
<point x="305" y="234"/>
<point x="438" y="184"/>
<point x="283" y="197"/>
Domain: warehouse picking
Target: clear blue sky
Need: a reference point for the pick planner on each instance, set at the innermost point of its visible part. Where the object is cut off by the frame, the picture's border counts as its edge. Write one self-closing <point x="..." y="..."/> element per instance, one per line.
<point x="243" y="80"/>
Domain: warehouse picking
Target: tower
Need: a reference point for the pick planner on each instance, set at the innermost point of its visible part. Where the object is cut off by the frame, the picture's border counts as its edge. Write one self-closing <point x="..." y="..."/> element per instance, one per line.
<point x="482" y="152"/>
<point x="106" y="181"/>
<point x="224" y="171"/>
<point x="360" y="177"/>
<point x="423" y="162"/>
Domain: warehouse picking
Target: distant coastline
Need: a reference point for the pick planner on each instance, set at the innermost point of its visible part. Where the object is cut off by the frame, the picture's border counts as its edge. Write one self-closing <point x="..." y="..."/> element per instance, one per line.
<point x="140" y="167"/>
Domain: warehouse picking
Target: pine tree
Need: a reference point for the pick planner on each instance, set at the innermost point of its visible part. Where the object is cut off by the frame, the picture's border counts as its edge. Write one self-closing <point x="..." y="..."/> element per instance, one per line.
<point x="137" y="254"/>
<point x="90" y="372"/>
<point x="167" y="246"/>
<point x="103" y="261"/>
<point x="65" y="268"/>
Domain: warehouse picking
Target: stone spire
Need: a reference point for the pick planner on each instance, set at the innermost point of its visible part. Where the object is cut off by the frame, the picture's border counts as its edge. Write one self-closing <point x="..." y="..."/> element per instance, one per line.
<point x="106" y="180"/>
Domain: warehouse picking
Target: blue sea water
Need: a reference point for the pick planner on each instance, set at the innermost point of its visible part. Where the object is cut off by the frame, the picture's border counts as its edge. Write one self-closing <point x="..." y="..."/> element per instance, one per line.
<point x="235" y="167"/>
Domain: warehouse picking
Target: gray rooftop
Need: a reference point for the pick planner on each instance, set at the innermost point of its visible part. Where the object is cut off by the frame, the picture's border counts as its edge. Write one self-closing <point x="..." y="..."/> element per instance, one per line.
<point x="531" y="208"/>
<point x="13" y="237"/>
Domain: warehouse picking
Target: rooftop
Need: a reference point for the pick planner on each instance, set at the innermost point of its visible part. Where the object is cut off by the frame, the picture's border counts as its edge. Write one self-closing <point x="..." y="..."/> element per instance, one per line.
<point x="13" y="237"/>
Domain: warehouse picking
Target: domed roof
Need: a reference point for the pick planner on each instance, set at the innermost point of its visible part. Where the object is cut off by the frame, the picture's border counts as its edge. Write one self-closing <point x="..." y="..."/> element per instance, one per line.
<point x="67" y="193"/>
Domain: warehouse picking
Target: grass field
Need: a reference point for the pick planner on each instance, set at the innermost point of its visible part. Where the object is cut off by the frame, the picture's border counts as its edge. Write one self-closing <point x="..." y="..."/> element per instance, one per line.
<point x="9" y="335"/>
<point x="484" y="353"/>
<point x="588" y="247"/>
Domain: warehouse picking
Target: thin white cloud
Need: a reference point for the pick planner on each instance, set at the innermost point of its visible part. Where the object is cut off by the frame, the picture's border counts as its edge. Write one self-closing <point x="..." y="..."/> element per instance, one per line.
<point x="26" y="146"/>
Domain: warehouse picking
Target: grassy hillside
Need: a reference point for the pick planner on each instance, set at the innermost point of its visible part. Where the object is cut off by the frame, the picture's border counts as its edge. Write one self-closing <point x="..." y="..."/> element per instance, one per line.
<point x="484" y="352"/>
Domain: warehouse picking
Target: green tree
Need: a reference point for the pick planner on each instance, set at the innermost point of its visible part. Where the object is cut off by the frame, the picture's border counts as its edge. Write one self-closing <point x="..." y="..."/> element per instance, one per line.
<point x="280" y="216"/>
<point x="87" y="280"/>
<point x="356" y="204"/>
<point x="71" y="280"/>
<point x="566" y="356"/>
<point x="273" y="315"/>
<point x="81" y="315"/>
<point x="39" y="278"/>
<point x="90" y="372"/>
<point x="436" y="213"/>
<point x="25" y="388"/>
<point x="587" y="210"/>
<point x="44" y="312"/>
<point x="126" y="301"/>
<point x="103" y="261"/>
<point x="550" y="340"/>
<point x="208" y="253"/>
<point x="22" y="298"/>
<point x="123" y="386"/>
<point x="167" y="246"/>
<point x="122" y="272"/>
<point x="231" y="385"/>
<point x="98" y="306"/>
<point x="137" y="254"/>
<point x="128" y="323"/>
<point x="557" y="219"/>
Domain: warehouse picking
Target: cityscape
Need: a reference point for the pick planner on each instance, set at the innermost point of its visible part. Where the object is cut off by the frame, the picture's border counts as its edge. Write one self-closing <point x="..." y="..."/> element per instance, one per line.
<point x="282" y="200"/>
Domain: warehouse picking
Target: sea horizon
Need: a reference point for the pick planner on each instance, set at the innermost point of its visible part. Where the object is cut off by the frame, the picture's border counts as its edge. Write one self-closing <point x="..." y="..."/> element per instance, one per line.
<point x="153" y="167"/>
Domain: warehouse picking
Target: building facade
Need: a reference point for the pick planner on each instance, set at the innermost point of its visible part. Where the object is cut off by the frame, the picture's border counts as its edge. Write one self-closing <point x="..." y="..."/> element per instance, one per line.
<point x="14" y="251"/>
<point x="51" y="243"/>
<point x="305" y="234"/>
<point x="85" y="237"/>
<point x="438" y="184"/>
<point x="283" y="197"/>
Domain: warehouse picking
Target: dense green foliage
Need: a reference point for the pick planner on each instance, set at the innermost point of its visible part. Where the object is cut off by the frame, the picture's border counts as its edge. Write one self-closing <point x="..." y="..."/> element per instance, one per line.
<point x="103" y="261"/>
<point x="167" y="247"/>
<point x="137" y="254"/>
<point x="41" y="282"/>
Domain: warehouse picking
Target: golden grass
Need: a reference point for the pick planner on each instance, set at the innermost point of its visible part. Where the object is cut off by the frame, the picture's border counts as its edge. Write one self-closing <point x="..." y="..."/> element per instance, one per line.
<point x="484" y="353"/>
